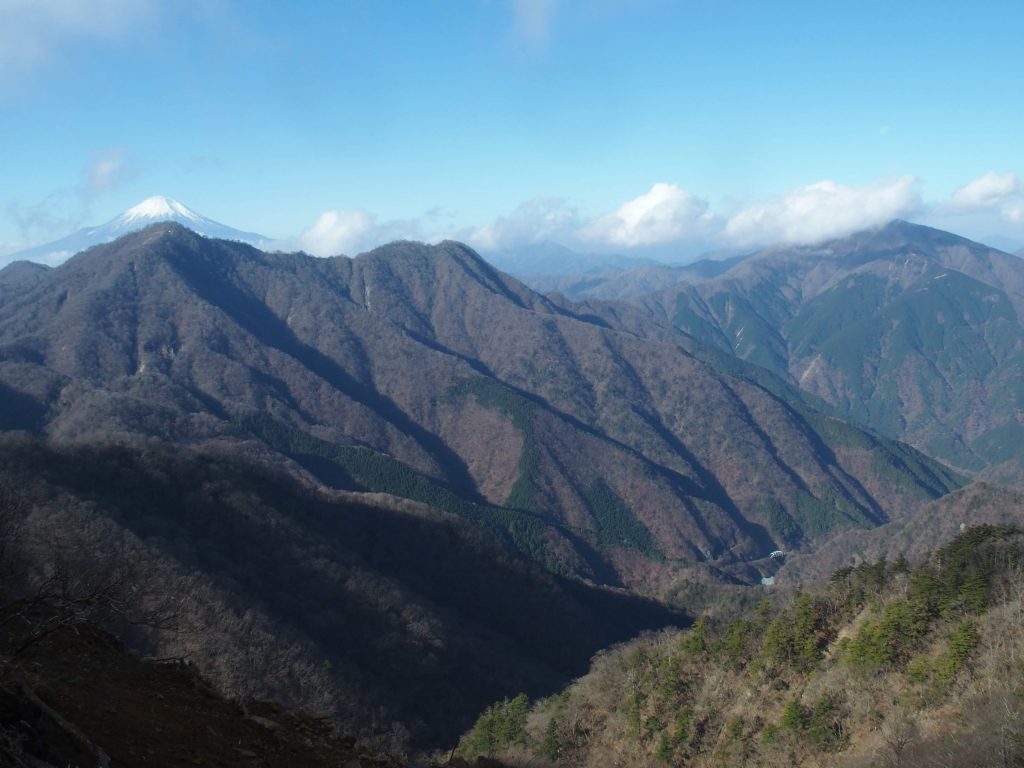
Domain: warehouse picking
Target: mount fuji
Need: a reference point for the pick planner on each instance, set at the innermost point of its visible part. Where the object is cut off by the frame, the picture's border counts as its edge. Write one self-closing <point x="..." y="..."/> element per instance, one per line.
<point x="149" y="211"/>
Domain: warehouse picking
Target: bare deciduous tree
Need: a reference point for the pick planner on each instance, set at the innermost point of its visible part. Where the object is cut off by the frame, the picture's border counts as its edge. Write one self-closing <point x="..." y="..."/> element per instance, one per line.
<point x="898" y="732"/>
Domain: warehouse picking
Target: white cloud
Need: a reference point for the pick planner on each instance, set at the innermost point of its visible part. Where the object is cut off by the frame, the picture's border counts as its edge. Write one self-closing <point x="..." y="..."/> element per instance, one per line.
<point x="1001" y="192"/>
<point x="354" y="231"/>
<point x="667" y="220"/>
<point x="987" y="191"/>
<point x="533" y="20"/>
<point x="337" y="232"/>
<point x="34" y="32"/>
<point x="669" y="216"/>
<point x="543" y="218"/>
<point x="664" y="214"/>
<point x="823" y="210"/>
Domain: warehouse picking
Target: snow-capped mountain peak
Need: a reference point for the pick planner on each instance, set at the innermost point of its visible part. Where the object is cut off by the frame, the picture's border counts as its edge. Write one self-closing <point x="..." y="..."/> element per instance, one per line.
<point x="149" y="211"/>
<point x="158" y="208"/>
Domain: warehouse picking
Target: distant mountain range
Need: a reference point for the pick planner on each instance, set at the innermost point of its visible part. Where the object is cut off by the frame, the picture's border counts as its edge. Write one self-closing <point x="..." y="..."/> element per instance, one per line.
<point x="909" y="330"/>
<point x="149" y="211"/>
<point x="915" y="332"/>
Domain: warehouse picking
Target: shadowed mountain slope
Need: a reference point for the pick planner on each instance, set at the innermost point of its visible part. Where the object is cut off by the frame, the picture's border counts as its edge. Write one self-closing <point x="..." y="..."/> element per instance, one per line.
<point x="19" y="275"/>
<point x="78" y="697"/>
<point x="365" y="608"/>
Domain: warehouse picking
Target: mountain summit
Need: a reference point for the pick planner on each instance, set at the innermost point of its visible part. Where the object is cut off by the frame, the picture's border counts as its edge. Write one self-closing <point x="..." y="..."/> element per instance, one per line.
<point x="150" y="211"/>
<point x="158" y="208"/>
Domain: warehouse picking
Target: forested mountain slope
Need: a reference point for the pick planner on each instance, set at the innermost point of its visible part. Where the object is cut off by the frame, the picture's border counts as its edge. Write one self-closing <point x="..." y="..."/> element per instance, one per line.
<point x="613" y="449"/>
<point x="896" y="663"/>
<point x="915" y="332"/>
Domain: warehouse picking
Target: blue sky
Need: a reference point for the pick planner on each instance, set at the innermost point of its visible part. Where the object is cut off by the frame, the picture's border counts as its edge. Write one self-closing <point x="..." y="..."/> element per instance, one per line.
<point x="643" y="125"/>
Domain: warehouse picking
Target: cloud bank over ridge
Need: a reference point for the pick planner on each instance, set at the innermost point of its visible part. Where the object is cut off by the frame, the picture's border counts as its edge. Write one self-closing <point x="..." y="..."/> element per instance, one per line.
<point x="821" y="211"/>
<point x="666" y="221"/>
<point x="663" y="217"/>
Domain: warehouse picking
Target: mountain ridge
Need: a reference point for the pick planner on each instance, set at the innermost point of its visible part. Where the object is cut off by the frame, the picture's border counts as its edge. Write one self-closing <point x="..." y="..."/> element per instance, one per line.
<point x="912" y="331"/>
<point x="607" y="440"/>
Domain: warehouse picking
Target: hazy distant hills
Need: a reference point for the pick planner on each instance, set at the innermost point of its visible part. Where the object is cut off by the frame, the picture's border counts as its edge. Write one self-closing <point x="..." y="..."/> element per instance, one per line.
<point x="549" y="267"/>
<point x="626" y="282"/>
<point x="598" y="441"/>
<point x="913" y="331"/>
<point x="549" y="258"/>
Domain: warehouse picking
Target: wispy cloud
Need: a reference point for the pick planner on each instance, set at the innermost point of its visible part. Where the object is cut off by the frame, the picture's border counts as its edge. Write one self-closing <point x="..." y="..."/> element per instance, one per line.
<point x="352" y="231"/>
<point x="33" y="33"/>
<point x="337" y="232"/>
<point x="823" y="210"/>
<point x="106" y="170"/>
<point x="54" y="216"/>
<point x="67" y="208"/>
